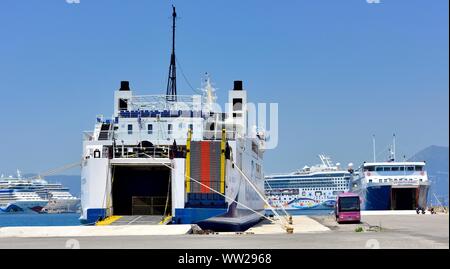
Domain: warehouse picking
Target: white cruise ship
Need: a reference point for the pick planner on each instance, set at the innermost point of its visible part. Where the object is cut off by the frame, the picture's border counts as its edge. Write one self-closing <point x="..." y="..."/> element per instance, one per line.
<point x="315" y="187"/>
<point x="48" y="197"/>
<point x="18" y="195"/>
<point x="60" y="200"/>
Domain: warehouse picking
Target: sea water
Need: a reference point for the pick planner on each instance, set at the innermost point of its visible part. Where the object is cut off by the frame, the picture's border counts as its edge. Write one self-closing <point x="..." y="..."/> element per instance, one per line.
<point x="306" y="212"/>
<point x="21" y="219"/>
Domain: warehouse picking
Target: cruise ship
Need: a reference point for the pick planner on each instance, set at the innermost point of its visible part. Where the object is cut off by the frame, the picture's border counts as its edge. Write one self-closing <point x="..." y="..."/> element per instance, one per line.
<point x="60" y="200"/>
<point x="50" y="197"/>
<point x="18" y="195"/>
<point x="391" y="184"/>
<point x="175" y="156"/>
<point x="315" y="187"/>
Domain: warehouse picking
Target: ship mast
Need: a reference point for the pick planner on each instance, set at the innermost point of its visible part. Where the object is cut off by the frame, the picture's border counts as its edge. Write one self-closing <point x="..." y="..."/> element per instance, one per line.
<point x="171" y="93"/>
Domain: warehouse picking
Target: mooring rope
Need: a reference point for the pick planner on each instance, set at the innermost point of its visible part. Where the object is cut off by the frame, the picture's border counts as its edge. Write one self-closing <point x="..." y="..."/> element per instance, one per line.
<point x="241" y="204"/>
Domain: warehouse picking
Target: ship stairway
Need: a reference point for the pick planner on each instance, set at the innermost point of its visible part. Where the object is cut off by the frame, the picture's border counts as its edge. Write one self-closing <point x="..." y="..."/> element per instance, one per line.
<point x="104" y="131"/>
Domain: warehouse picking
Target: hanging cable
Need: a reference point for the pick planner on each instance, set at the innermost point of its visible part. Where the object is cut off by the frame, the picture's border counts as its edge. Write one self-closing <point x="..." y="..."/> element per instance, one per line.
<point x="167" y="200"/>
<point x="282" y="207"/>
<point x="185" y="78"/>
<point x="258" y="192"/>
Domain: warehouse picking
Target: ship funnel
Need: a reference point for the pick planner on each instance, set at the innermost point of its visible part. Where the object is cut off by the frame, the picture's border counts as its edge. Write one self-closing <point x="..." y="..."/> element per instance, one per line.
<point x="124" y="86"/>
<point x="237" y="85"/>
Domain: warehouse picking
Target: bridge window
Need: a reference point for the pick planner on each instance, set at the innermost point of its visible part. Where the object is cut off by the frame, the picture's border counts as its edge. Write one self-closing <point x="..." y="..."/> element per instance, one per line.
<point x="130" y="128"/>
<point x="123" y="105"/>
<point x="379" y="169"/>
<point x="169" y="129"/>
<point x="370" y="168"/>
<point x="418" y="168"/>
<point x="395" y="168"/>
<point x="410" y="168"/>
<point x="387" y="168"/>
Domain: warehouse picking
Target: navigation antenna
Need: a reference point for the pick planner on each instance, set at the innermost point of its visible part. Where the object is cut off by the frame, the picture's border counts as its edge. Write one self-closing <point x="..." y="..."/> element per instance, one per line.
<point x="171" y="93"/>
<point x="325" y="160"/>
<point x="392" y="150"/>
<point x="393" y="147"/>
<point x="209" y="95"/>
<point x="374" y="149"/>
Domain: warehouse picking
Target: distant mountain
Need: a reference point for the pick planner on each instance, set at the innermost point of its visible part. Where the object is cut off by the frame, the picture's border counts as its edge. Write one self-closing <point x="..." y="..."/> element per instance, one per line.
<point x="436" y="158"/>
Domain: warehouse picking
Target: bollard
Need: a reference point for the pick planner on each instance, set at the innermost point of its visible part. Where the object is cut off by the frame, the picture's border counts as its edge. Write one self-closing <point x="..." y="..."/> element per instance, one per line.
<point x="289" y="230"/>
<point x="290" y="220"/>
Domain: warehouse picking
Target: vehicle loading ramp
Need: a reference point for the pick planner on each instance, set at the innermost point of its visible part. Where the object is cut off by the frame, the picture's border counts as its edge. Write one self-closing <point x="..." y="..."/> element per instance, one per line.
<point x="138" y="220"/>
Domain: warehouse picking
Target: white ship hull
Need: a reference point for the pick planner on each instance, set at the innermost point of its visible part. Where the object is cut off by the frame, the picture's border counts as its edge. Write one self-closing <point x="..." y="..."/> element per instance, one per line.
<point x="23" y="207"/>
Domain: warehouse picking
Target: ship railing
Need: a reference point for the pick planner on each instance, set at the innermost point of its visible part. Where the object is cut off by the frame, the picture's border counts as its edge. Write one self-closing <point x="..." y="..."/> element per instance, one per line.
<point x="146" y="152"/>
<point x="162" y="134"/>
<point x="217" y="135"/>
<point x="163" y="102"/>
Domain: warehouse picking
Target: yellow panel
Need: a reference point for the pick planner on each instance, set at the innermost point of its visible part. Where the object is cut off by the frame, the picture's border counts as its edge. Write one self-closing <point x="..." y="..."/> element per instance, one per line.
<point x="188" y="162"/>
<point x="222" y="161"/>
<point x="165" y="220"/>
<point x="108" y="220"/>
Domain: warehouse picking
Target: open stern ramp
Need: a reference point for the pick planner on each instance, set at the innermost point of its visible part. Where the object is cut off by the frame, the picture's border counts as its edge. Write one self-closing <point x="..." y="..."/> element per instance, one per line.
<point x="138" y="220"/>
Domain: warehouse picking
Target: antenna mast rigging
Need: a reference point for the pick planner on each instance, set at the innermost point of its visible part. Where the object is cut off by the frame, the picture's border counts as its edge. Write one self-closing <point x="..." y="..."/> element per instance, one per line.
<point x="171" y="93"/>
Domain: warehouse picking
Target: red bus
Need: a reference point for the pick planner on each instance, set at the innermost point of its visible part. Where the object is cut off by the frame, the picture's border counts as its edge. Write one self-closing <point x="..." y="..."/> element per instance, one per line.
<point x="347" y="208"/>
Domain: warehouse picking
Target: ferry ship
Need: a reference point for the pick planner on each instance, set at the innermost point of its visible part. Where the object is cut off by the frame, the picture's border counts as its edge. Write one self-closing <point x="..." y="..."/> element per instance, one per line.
<point x="174" y="155"/>
<point x="315" y="187"/>
<point x="18" y="195"/>
<point x="392" y="185"/>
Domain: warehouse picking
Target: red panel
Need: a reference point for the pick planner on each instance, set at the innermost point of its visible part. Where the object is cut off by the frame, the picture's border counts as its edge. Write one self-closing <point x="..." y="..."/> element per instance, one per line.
<point x="204" y="166"/>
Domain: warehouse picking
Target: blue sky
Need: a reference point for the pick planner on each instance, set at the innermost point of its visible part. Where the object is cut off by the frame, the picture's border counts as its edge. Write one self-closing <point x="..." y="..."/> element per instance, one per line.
<point x="340" y="71"/>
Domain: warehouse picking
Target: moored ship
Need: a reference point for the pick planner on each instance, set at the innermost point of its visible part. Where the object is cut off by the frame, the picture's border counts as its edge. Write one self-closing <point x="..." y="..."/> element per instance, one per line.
<point x="18" y="195"/>
<point x="392" y="185"/>
<point x="315" y="187"/>
<point x="60" y="200"/>
<point x="174" y="155"/>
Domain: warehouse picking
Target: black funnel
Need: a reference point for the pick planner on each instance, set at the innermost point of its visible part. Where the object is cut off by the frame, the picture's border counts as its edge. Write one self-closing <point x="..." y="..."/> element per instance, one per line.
<point x="124" y="86"/>
<point x="237" y="85"/>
